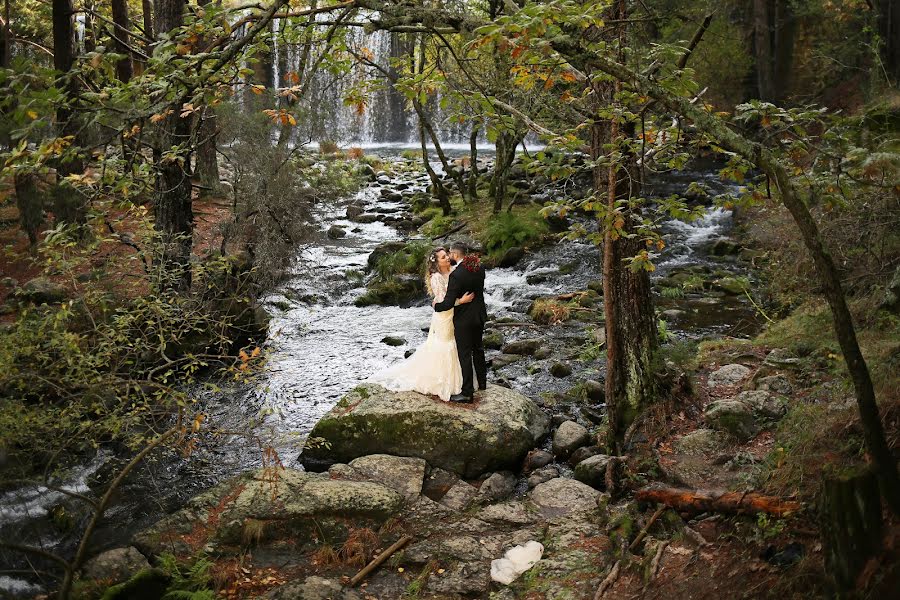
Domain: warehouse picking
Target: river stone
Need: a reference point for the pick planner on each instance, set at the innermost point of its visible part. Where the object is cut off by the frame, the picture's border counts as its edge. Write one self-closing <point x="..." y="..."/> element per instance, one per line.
<point x="536" y="459"/>
<point x="763" y="403"/>
<point x="400" y="473"/>
<point x="42" y="290"/>
<point x="493" y="340"/>
<point x="496" y="487"/>
<point x="543" y="352"/>
<point x="503" y="360"/>
<point x="313" y="588"/>
<point x="491" y="434"/>
<point x="775" y="383"/>
<point x="569" y="437"/>
<point x="728" y="375"/>
<point x="391" y="340"/>
<point x="584" y="453"/>
<point x="542" y="475"/>
<point x="269" y="504"/>
<point x="116" y="565"/>
<point x="699" y="442"/>
<point x="592" y="471"/>
<point x="526" y="347"/>
<point x="561" y="496"/>
<point x="511" y="257"/>
<point x="733" y="417"/>
<point x="560" y="370"/>
<point x="383" y="249"/>
<point x="460" y="496"/>
<point x="336" y="232"/>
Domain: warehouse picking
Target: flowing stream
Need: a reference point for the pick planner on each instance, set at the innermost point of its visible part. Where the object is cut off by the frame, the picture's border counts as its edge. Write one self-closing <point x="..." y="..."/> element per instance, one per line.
<point x="321" y="345"/>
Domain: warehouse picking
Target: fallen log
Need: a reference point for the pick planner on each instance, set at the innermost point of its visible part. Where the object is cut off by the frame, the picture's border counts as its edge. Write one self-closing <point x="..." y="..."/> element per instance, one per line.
<point x="374" y="564"/>
<point x="697" y="501"/>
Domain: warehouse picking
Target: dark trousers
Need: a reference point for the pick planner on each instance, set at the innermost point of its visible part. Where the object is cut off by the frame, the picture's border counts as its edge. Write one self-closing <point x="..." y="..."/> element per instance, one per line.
<point x="470" y="347"/>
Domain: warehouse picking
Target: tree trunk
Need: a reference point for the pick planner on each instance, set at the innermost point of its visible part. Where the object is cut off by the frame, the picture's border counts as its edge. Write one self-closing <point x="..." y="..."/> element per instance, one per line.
<point x="30" y="203"/>
<point x="503" y="159"/>
<point x="473" y="163"/>
<point x="889" y="31"/>
<point x="850" y="521"/>
<point x="207" y="154"/>
<point x="698" y="501"/>
<point x="438" y="189"/>
<point x="172" y="193"/>
<point x="69" y="204"/>
<point x="5" y="38"/>
<point x="124" y="70"/>
<point x="762" y="47"/>
<point x="785" y="38"/>
<point x="147" y="15"/>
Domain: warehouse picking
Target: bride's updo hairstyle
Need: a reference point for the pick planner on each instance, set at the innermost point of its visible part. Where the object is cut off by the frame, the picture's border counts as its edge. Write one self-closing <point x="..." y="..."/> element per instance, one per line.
<point x="431" y="267"/>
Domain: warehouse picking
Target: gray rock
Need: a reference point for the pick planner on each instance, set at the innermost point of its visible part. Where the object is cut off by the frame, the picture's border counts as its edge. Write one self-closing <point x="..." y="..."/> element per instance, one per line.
<point x="493" y="434"/>
<point x="763" y="403"/>
<point x="569" y="437"/>
<point x="463" y="547"/>
<point x="354" y="210"/>
<point x="504" y="360"/>
<point x="780" y="357"/>
<point x="728" y="375"/>
<point x="559" y="497"/>
<point x="336" y="232"/>
<point x="508" y="513"/>
<point x="524" y="347"/>
<point x="775" y="383"/>
<point x="268" y="505"/>
<point x="542" y="475"/>
<point x="438" y="482"/>
<point x="733" y="417"/>
<point x="313" y="588"/>
<point x="496" y="487"/>
<point x="116" y="565"/>
<point x="584" y="453"/>
<point x="592" y="471"/>
<point x="42" y="290"/>
<point x="400" y="473"/>
<point x="543" y="352"/>
<point x="672" y="315"/>
<point x="493" y="340"/>
<point x="560" y="370"/>
<point x="460" y="496"/>
<point x="463" y="578"/>
<point x="699" y="442"/>
<point x="536" y="459"/>
<point x="891" y="300"/>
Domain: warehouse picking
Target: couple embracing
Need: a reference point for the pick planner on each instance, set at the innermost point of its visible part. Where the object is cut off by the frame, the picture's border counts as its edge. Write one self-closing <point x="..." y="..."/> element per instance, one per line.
<point x="443" y="365"/>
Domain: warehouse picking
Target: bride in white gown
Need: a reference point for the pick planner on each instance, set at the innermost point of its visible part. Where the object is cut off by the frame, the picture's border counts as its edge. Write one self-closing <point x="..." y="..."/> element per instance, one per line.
<point x="434" y="367"/>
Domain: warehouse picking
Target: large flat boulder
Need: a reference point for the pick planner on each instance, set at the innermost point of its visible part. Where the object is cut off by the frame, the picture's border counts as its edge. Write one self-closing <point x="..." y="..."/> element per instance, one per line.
<point x="492" y="434"/>
<point x="268" y="505"/>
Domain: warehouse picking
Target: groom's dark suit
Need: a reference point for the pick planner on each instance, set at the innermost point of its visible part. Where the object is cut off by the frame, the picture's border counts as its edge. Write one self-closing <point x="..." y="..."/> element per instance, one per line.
<point x="468" y="321"/>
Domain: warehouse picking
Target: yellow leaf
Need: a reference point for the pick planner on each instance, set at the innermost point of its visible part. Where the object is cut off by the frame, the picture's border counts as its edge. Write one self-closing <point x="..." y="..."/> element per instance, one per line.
<point x="257" y="89"/>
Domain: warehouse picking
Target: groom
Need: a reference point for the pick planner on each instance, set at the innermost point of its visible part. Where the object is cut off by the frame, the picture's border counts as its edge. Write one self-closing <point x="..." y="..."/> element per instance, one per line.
<point x="468" y="319"/>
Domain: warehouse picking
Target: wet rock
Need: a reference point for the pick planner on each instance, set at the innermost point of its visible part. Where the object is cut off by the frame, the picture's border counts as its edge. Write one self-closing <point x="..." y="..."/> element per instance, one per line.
<point x="733" y="417"/>
<point x="728" y="375"/>
<point x="699" y="442"/>
<point x="722" y="247"/>
<point x="354" y="210"/>
<point x="590" y="391"/>
<point x="313" y="588"/>
<point x="536" y="278"/>
<point x="594" y="415"/>
<point x="269" y="505"/>
<point x="592" y="471"/>
<point x="584" y="453"/>
<point x="400" y="290"/>
<point x="511" y="257"/>
<point x="115" y="566"/>
<point x="382" y="250"/>
<point x="524" y="347"/>
<point x="383" y="179"/>
<point x="778" y="384"/>
<point x="543" y="352"/>
<point x="493" y="434"/>
<point x="391" y="340"/>
<point x="504" y="360"/>
<point x="763" y="403"/>
<point x="536" y="459"/>
<point x="336" y="232"/>
<point x="366" y="218"/>
<point x="42" y="290"/>
<point x="672" y="315"/>
<point x="596" y="285"/>
<point x="569" y="437"/>
<point x="409" y="353"/>
<point x="731" y="285"/>
<point x="542" y="475"/>
<point x="560" y="370"/>
<point x="560" y="497"/>
<point x="493" y="340"/>
<point x="460" y="496"/>
<point x="496" y="487"/>
<point x="402" y="474"/>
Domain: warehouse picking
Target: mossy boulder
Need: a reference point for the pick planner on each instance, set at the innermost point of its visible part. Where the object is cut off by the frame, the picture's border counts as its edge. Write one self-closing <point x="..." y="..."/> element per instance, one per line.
<point x="733" y="417"/>
<point x="399" y="290"/>
<point x="268" y="505"/>
<point x="492" y="434"/>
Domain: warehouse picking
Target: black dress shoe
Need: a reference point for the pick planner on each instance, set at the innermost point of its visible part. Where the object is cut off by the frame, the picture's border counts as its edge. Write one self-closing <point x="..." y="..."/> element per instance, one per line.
<point x="461" y="398"/>
<point x="481" y="388"/>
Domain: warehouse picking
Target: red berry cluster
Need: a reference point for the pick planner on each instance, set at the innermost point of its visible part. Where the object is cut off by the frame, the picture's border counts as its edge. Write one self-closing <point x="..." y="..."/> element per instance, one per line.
<point x="472" y="263"/>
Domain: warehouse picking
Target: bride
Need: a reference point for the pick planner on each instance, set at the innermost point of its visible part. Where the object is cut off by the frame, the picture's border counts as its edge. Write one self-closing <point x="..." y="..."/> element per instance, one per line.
<point x="434" y="367"/>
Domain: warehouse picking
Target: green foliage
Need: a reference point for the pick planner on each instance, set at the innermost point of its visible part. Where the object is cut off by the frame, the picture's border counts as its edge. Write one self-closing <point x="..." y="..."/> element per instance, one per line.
<point x="672" y="293"/>
<point x="409" y="260"/>
<point x="510" y="229"/>
<point x="439" y="224"/>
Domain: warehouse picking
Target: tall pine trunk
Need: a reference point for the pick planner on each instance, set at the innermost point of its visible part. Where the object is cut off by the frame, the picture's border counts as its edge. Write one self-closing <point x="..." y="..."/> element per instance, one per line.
<point x="124" y="69"/>
<point x="762" y="50"/>
<point x="172" y="193"/>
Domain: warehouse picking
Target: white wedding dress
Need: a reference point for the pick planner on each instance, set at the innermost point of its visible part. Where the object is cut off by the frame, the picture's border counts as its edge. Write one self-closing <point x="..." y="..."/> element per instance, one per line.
<point x="434" y="367"/>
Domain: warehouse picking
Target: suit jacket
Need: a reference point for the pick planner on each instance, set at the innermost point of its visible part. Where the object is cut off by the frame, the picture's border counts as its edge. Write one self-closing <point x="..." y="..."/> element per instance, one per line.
<point x="461" y="281"/>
